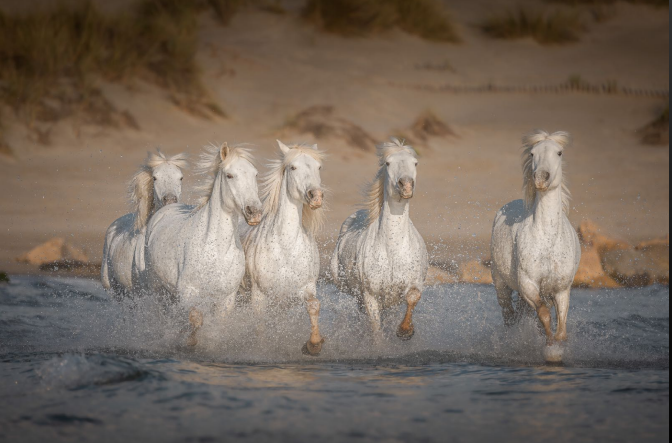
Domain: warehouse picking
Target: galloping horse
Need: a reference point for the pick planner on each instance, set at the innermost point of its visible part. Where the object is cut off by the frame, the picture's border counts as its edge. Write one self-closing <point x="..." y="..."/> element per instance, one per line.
<point x="194" y="254"/>
<point x="156" y="184"/>
<point x="535" y="249"/>
<point x="380" y="258"/>
<point x="283" y="262"/>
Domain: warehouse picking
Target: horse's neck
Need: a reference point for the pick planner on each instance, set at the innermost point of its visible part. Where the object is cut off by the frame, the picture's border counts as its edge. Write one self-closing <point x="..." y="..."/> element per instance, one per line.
<point x="547" y="213"/>
<point x="287" y="222"/>
<point x="214" y="221"/>
<point x="395" y="219"/>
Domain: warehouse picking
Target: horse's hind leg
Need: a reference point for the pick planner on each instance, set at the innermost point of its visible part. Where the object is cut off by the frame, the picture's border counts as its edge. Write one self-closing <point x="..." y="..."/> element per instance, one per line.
<point x="505" y="300"/>
<point x="406" y="329"/>
<point x="314" y="345"/>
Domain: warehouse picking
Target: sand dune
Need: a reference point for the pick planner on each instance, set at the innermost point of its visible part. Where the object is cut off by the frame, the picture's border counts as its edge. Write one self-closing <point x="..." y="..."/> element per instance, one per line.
<point x="264" y="69"/>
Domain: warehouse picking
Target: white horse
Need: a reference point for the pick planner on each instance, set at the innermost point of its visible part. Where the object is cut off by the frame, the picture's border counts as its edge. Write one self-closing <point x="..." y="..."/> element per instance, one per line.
<point x="283" y="262"/>
<point x="380" y="258"/>
<point x="535" y="249"/>
<point x="156" y="184"/>
<point x="194" y="254"/>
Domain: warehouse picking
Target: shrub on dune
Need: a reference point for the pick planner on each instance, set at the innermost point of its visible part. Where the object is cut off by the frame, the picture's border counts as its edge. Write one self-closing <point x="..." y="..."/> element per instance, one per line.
<point x="50" y="60"/>
<point x="424" y="18"/>
<point x="556" y="27"/>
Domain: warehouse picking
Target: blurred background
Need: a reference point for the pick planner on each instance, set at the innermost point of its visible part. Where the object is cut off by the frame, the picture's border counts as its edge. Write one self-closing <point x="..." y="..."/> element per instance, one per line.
<point x="88" y="87"/>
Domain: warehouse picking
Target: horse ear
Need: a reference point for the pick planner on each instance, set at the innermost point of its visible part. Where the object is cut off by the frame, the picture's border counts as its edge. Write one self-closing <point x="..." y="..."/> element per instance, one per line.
<point x="315" y="146"/>
<point x="224" y="151"/>
<point x="283" y="147"/>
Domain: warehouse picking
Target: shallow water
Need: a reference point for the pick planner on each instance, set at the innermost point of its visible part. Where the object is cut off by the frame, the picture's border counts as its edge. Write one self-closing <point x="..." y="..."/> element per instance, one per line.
<point x="75" y="366"/>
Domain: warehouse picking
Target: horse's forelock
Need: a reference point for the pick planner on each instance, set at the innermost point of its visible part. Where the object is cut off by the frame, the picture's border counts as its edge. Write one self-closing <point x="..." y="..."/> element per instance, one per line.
<point x="271" y="186"/>
<point x="531" y="140"/>
<point x="209" y="165"/>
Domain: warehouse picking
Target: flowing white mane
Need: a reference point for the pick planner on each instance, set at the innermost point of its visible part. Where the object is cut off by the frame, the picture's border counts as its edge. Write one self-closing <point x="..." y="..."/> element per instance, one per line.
<point x="374" y="192"/>
<point x="141" y="186"/>
<point x="271" y="186"/>
<point x="529" y="142"/>
<point x="209" y="165"/>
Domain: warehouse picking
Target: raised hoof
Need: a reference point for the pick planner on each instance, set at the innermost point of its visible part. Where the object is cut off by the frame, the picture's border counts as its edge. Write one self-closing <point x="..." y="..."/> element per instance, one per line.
<point x="406" y="334"/>
<point x="311" y="349"/>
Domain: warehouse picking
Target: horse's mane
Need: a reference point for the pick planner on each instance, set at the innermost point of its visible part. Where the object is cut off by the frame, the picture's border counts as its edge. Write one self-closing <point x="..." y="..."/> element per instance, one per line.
<point x="374" y="192"/>
<point x="209" y="165"/>
<point x="141" y="186"/>
<point x="271" y="186"/>
<point x="529" y="142"/>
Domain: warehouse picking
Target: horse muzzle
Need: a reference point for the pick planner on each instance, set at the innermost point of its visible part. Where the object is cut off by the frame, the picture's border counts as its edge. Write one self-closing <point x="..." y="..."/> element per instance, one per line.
<point x="315" y="197"/>
<point x="169" y="199"/>
<point x="252" y="215"/>
<point x="406" y="187"/>
<point x="542" y="180"/>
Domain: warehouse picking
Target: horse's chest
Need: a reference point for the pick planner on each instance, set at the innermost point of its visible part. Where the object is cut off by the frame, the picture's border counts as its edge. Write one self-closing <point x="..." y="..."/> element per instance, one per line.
<point x="548" y="262"/>
<point x="286" y="266"/>
<point x="218" y="267"/>
<point x="393" y="270"/>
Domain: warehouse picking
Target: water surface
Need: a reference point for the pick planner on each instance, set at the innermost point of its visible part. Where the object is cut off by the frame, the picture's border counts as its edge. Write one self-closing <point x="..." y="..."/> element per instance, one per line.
<point x="76" y="366"/>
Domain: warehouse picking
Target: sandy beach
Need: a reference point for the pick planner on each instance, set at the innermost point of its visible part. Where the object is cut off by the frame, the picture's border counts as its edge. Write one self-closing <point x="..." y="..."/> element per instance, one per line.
<point x="264" y="69"/>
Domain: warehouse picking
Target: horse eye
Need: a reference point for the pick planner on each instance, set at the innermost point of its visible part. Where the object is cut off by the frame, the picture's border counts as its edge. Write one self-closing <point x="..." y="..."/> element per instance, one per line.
<point x="181" y="178"/>
<point x="229" y="176"/>
<point x="320" y="168"/>
<point x="154" y="178"/>
<point x="416" y="164"/>
<point x="293" y="168"/>
<point x="387" y="163"/>
<point x="531" y="155"/>
<point x="560" y="153"/>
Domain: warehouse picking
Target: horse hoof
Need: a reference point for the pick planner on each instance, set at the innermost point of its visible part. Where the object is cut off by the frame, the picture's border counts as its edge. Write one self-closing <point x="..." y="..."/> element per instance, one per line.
<point x="311" y="349"/>
<point x="553" y="354"/>
<point x="192" y="340"/>
<point x="406" y="334"/>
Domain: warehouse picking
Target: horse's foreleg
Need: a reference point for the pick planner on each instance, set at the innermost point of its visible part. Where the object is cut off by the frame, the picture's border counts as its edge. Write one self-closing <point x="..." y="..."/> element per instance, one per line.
<point x="561" y="301"/>
<point x="225" y="308"/>
<point x="373" y="311"/>
<point x="195" y="321"/>
<point x="530" y="293"/>
<point x="314" y="345"/>
<point x="259" y="305"/>
<point x="505" y="301"/>
<point x="406" y="329"/>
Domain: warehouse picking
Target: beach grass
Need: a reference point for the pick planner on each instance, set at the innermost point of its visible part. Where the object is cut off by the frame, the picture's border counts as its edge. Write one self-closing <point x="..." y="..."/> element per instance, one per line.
<point x="51" y="61"/>
<point x="427" y="19"/>
<point x="547" y="28"/>
<point x="656" y="3"/>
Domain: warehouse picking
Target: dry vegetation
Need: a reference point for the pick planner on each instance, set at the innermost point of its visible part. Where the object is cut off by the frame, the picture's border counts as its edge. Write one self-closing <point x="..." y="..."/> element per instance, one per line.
<point x="555" y="27"/>
<point x="657" y="3"/>
<point x="658" y="131"/>
<point x="424" y="18"/>
<point x="322" y="123"/>
<point x="428" y="125"/>
<point x="51" y="61"/>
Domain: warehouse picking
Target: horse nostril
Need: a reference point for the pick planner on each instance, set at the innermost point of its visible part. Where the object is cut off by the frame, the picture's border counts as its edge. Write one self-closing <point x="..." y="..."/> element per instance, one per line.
<point x="248" y="210"/>
<point x="311" y="195"/>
